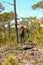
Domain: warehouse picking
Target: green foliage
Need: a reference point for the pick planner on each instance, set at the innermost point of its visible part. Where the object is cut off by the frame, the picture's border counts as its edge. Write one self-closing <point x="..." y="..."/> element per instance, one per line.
<point x="4" y="37"/>
<point x="7" y="16"/>
<point x="38" y="5"/>
<point x="35" y="34"/>
<point x="11" y="60"/>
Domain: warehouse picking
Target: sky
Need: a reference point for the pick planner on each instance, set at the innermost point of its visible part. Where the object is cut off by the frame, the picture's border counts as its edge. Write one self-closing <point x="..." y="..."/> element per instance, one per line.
<point x="23" y="8"/>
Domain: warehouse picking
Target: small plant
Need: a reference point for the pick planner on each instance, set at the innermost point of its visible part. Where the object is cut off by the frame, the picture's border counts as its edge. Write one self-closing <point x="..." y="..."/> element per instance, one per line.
<point x="11" y="60"/>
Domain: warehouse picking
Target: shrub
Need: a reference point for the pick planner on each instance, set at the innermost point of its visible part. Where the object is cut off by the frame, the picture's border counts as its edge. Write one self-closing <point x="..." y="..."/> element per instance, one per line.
<point x="11" y="60"/>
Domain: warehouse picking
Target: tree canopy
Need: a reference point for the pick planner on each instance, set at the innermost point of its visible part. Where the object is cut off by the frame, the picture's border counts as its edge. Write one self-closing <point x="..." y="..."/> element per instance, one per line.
<point x="5" y="17"/>
<point x="38" y="5"/>
<point x="1" y="7"/>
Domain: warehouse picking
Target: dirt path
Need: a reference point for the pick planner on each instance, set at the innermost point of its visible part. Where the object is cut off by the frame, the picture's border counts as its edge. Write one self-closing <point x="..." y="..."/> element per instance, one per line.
<point x="25" y="57"/>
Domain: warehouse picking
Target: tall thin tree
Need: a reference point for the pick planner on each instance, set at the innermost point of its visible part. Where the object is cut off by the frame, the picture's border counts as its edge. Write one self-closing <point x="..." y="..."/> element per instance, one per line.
<point x="15" y="21"/>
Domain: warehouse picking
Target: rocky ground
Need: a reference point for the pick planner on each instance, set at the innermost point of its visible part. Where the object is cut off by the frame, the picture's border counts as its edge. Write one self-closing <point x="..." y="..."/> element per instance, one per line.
<point x="32" y="56"/>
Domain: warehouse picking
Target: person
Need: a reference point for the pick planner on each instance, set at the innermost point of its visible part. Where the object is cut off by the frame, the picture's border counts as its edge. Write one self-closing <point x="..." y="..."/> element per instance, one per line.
<point x="22" y="34"/>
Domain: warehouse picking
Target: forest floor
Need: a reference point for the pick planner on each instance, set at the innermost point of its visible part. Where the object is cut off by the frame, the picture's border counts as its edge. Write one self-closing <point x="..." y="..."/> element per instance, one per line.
<point x="32" y="56"/>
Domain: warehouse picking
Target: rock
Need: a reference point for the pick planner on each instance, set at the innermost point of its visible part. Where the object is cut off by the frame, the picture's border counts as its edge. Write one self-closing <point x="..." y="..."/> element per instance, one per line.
<point x="26" y="47"/>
